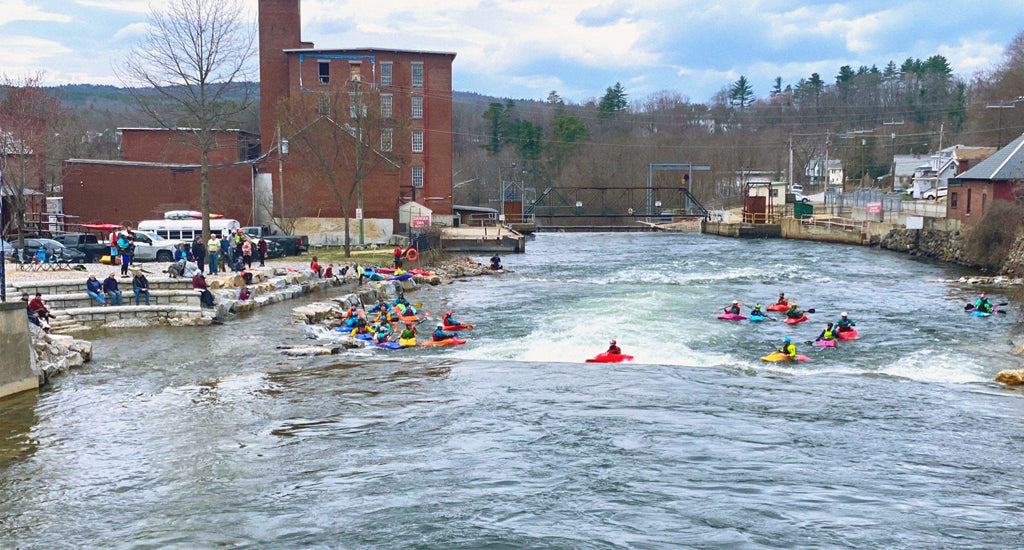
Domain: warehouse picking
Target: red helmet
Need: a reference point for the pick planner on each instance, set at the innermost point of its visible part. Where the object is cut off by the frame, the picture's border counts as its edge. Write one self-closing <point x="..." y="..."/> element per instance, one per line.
<point x="408" y="323"/>
<point x="612" y="342"/>
<point x="447" y="313"/>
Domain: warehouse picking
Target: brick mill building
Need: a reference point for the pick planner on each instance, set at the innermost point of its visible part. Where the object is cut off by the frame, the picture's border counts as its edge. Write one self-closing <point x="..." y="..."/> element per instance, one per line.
<point x="158" y="171"/>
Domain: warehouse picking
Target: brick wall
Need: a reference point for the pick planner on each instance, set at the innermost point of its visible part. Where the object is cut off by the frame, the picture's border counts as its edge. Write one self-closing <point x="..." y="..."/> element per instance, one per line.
<point x="176" y="147"/>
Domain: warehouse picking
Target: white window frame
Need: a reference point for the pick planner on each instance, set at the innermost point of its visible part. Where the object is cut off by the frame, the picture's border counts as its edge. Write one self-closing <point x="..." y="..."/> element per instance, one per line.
<point x="417" y="106"/>
<point x="417" y="141"/>
<point x="417" y="177"/>
<point x="417" y="80"/>
<point x="323" y="79"/>
<point x="386" y="73"/>
<point x="386" y="105"/>
<point x="387" y="140"/>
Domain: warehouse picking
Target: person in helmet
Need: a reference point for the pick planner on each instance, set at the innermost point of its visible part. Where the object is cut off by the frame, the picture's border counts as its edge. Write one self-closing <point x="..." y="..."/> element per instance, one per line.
<point x="844" y="324"/>
<point x="613" y="348"/>
<point x="449" y="320"/>
<point x="828" y="334"/>
<point x="360" y="328"/>
<point x="440" y="334"/>
<point x="983" y="305"/>
<point x="409" y="333"/>
<point x="756" y="312"/>
<point x="793" y="312"/>
<point x="782" y="300"/>
<point x="383" y="333"/>
<point x="788" y="348"/>
<point x="734" y="308"/>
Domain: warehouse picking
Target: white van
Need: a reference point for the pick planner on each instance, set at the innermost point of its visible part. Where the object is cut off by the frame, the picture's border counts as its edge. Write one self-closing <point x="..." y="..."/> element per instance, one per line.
<point x="187" y="230"/>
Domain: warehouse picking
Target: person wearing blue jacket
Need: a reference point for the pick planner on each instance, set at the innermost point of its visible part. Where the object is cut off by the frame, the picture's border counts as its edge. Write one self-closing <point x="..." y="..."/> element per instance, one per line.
<point x="113" y="293"/>
<point x="95" y="290"/>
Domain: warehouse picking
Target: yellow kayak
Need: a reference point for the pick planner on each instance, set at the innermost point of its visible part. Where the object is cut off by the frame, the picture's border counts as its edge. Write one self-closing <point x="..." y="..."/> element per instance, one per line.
<point x="407" y="342"/>
<point x="775" y="357"/>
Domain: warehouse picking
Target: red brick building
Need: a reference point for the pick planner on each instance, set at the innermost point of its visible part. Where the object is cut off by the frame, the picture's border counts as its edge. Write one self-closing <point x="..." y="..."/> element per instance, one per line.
<point x="412" y="89"/>
<point x="971" y="194"/>
<point x="175" y="147"/>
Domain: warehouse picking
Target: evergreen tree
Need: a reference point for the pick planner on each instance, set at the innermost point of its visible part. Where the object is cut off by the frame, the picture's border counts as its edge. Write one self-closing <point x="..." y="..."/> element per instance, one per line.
<point x="613" y="102"/>
<point x="741" y="93"/>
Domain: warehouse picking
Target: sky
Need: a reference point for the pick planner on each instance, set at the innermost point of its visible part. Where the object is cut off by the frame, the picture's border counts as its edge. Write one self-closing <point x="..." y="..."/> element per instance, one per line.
<point x="527" y="48"/>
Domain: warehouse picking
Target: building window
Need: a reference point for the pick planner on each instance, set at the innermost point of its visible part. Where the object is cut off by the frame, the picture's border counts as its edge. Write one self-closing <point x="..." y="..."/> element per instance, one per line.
<point x="417" y="177"/>
<point x="323" y="106"/>
<point x="417" y="106"/>
<point x="385" y="105"/>
<point x="984" y="199"/>
<point x="324" y="71"/>
<point x="417" y="74"/>
<point x="952" y="200"/>
<point x="385" y="73"/>
<point x="968" y="201"/>
<point x="386" y="136"/>
<point x="355" y="105"/>
<point x="417" y="141"/>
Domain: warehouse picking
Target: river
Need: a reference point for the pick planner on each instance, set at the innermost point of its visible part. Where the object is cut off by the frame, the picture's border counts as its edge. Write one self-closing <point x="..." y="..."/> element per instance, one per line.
<point x="207" y="437"/>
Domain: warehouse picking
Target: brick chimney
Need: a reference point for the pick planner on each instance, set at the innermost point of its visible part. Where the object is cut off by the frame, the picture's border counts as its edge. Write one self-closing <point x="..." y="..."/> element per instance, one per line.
<point x="280" y="29"/>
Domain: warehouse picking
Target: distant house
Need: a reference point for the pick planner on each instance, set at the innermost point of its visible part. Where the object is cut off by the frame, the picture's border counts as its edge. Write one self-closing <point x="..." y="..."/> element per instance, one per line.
<point x="972" y="193"/>
<point x="817" y="174"/>
<point x="931" y="178"/>
<point x="906" y="166"/>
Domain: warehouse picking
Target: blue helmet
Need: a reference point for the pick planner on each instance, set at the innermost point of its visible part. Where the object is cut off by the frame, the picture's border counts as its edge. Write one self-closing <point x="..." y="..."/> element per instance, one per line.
<point x="786" y="340"/>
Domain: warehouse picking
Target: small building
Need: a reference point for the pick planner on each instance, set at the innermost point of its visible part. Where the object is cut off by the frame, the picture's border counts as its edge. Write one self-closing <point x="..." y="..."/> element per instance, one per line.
<point x="764" y="201"/>
<point x="973" y="192"/>
<point x="817" y="173"/>
<point x="931" y="178"/>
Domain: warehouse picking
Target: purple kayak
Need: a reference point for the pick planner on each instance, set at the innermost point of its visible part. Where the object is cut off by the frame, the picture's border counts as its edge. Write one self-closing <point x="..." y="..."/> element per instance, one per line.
<point x="732" y="317"/>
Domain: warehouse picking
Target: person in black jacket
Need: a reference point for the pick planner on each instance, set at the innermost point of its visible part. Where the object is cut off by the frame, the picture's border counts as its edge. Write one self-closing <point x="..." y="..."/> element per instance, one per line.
<point x="199" y="252"/>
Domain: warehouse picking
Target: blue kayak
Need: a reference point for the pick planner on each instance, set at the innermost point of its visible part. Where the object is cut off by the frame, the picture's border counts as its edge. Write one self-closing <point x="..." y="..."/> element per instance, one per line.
<point x="390" y="345"/>
<point x="977" y="313"/>
<point x="366" y="336"/>
<point x="756" y="318"/>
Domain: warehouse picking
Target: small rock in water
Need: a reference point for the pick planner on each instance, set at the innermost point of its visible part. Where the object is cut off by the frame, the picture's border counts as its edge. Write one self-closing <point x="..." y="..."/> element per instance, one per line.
<point x="1011" y="377"/>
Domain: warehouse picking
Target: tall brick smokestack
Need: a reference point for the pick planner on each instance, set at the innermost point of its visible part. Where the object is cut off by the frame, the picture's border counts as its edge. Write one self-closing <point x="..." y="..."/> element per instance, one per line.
<point x="280" y="29"/>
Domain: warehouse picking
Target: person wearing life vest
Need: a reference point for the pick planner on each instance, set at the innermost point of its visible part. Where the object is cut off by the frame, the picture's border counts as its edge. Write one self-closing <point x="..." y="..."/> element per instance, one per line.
<point x="756" y="312"/>
<point x="793" y="312"/>
<point x="448" y="320"/>
<point x="385" y="316"/>
<point x="613" y="348"/>
<point x="408" y="332"/>
<point x="383" y="333"/>
<point x="361" y="327"/>
<point x="844" y="324"/>
<point x="351" y="315"/>
<point x="734" y="309"/>
<point x="983" y="305"/>
<point x="828" y="334"/>
<point x="788" y="348"/>
<point x="440" y="334"/>
<point x="782" y="300"/>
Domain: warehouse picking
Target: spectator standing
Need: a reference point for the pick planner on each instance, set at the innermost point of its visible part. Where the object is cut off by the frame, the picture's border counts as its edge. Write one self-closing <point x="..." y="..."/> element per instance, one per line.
<point x="110" y="289"/>
<point x="95" y="290"/>
<point x="398" y="257"/>
<point x="225" y="253"/>
<point x="199" y="252"/>
<point x="213" y="247"/>
<point x="247" y="252"/>
<point x="237" y="244"/>
<point x="140" y="286"/>
<point x="262" y="247"/>
<point x="126" y="245"/>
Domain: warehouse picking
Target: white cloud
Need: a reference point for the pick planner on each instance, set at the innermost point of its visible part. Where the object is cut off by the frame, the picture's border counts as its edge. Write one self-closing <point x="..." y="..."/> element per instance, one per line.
<point x="18" y="10"/>
<point x="27" y="54"/>
<point x="130" y="32"/>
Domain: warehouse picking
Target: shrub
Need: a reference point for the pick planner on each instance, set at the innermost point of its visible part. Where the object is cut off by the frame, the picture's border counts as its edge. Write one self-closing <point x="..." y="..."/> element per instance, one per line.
<point x="988" y="243"/>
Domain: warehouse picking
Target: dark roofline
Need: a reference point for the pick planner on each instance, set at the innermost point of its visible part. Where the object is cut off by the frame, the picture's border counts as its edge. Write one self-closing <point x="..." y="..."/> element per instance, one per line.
<point x="327" y="51"/>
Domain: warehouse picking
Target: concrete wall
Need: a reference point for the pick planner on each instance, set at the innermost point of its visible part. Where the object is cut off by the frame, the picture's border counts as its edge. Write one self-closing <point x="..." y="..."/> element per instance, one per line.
<point x="16" y="374"/>
<point x="743" y="230"/>
<point x="793" y="229"/>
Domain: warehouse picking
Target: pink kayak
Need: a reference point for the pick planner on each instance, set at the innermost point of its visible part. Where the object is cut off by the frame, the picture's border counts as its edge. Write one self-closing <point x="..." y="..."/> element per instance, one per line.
<point x="848" y="335"/>
<point x="732" y="317"/>
<point x="825" y="343"/>
<point x="790" y="321"/>
<point x="610" y="358"/>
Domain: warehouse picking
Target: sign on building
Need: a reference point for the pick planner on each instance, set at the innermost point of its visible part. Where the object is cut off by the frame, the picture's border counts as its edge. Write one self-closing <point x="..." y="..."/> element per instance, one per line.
<point x="420" y="222"/>
<point x="874" y="208"/>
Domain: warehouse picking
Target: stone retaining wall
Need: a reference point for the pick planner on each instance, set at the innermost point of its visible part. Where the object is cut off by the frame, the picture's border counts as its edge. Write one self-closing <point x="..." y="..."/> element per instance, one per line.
<point x="947" y="246"/>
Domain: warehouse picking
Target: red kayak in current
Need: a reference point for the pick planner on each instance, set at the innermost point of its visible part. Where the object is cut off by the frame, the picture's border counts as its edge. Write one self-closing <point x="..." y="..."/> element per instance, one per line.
<point x="791" y="321"/>
<point x="848" y="335"/>
<point x="778" y="307"/>
<point x="610" y="358"/>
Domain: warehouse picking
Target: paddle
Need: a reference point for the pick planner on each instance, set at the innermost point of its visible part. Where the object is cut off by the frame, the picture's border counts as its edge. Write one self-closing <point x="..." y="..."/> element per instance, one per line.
<point x="970" y="307"/>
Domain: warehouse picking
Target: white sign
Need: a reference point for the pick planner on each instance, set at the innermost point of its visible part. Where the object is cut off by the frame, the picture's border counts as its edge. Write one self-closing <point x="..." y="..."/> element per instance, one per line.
<point x="915" y="222"/>
<point x="359" y="213"/>
<point x="657" y="203"/>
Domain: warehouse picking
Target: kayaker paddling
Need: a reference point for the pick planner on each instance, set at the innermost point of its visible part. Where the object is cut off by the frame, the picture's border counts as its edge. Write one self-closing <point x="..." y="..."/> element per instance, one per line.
<point x="734" y="309"/>
<point x="844" y="324"/>
<point x="983" y="305"/>
<point x="788" y="349"/>
<point x="829" y="334"/>
<point x="613" y="348"/>
<point x="793" y="312"/>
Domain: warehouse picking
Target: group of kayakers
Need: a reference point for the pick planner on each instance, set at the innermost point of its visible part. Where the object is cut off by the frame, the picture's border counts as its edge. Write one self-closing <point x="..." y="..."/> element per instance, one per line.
<point x="394" y="321"/>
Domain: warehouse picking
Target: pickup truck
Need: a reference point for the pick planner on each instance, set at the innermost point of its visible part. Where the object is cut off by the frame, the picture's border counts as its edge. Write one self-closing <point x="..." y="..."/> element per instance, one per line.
<point x="293" y="245"/>
<point x="86" y="243"/>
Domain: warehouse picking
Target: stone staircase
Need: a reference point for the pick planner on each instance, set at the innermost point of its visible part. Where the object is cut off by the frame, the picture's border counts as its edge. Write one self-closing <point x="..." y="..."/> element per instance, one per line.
<point x="172" y="301"/>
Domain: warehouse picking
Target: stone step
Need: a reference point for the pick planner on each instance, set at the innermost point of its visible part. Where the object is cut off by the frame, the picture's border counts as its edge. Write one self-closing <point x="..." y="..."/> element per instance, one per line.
<point x="55" y="287"/>
<point x="100" y="315"/>
<point x="61" y="302"/>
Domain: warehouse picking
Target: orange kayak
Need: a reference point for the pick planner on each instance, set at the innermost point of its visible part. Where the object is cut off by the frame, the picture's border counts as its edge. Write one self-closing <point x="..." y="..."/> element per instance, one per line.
<point x="445" y="342"/>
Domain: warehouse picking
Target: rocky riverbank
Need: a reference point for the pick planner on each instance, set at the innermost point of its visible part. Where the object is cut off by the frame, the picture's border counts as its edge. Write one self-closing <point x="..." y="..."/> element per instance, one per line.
<point x="55" y="355"/>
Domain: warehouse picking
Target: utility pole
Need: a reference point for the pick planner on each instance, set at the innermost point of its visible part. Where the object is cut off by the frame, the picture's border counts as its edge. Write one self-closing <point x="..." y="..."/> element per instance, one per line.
<point x="791" y="182"/>
<point x="892" y="149"/>
<point x="1001" y="106"/>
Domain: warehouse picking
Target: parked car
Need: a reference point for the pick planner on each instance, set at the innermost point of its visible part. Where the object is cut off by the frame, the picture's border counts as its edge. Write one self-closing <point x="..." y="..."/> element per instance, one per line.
<point x="293" y="244"/>
<point x="798" y="193"/>
<point x="86" y="243"/>
<point x="150" y="247"/>
<point x="54" y="251"/>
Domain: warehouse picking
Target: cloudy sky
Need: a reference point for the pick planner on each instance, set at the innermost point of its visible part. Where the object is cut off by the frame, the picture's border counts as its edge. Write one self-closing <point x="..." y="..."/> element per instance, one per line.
<point x="526" y="48"/>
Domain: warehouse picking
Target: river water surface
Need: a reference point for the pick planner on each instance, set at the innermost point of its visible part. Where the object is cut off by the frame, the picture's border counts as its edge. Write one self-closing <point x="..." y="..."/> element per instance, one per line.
<point x="203" y="438"/>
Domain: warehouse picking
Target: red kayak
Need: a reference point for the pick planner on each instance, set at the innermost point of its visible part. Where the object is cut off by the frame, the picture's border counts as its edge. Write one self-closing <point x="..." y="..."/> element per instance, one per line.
<point x="445" y="342"/>
<point x="848" y="335"/>
<point x="791" y="321"/>
<point x="460" y="326"/>
<point x="732" y="317"/>
<point x="610" y="358"/>
<point x="778" y="307"/>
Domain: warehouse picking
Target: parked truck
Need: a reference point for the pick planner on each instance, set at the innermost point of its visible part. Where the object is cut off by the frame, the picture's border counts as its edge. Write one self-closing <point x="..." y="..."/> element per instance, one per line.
<point x="86" y="243"/>
<point x="293" y="245"/>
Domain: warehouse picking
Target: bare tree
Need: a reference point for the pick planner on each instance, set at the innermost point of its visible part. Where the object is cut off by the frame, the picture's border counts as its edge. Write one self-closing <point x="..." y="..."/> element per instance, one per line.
<point x="196" y="58"/>
<point x="33" y="131"/>
<point x="342" y="136"/>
